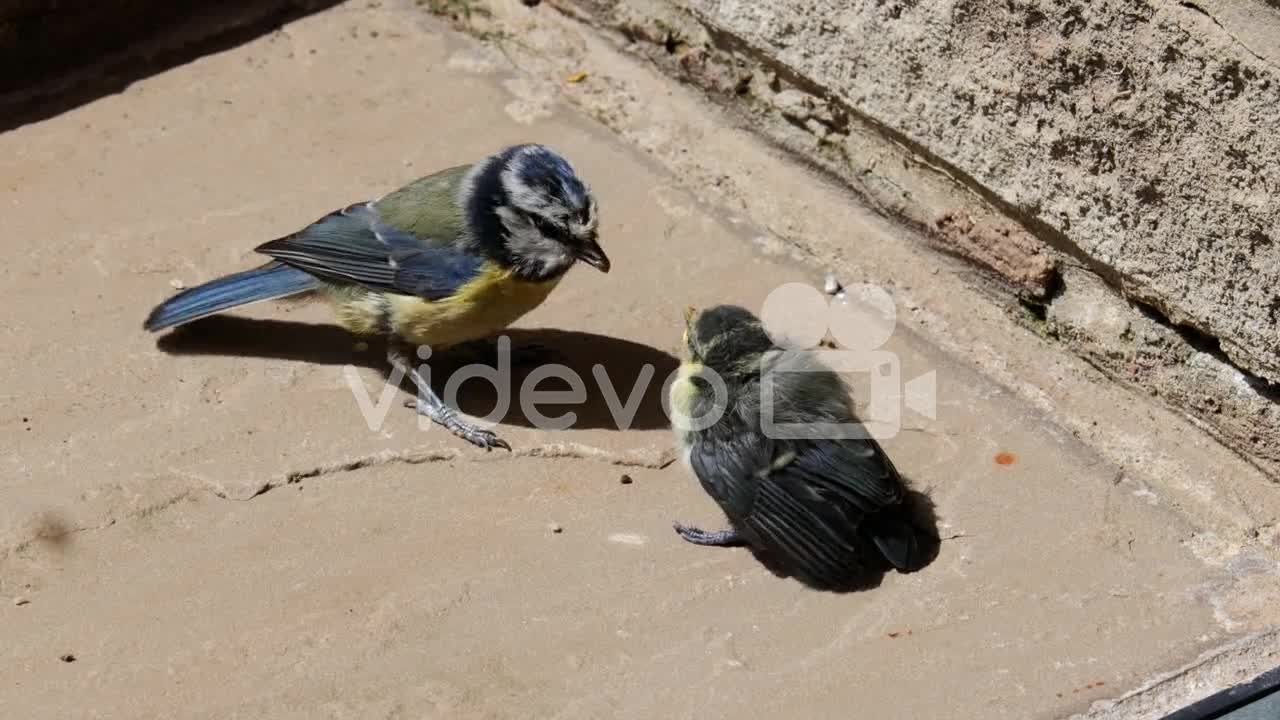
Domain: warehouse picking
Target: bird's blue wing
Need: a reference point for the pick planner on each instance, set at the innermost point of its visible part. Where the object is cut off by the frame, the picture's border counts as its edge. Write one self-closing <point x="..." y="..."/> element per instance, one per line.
<point x="354" y="246"/>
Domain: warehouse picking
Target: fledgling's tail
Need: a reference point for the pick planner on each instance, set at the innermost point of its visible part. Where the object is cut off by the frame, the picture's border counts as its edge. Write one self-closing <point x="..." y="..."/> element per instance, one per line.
<point x="907" y="540"/>
<point x="273" y="280"/>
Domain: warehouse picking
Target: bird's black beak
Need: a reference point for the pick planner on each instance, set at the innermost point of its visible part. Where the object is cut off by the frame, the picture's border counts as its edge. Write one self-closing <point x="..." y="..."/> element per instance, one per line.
<point x="591" y="254"/>
<point x="689" y="313"/>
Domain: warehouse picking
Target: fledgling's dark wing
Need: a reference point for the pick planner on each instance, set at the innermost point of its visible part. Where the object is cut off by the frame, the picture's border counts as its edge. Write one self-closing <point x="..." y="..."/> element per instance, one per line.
<point x="801" y="501"/>
<point x="854" y="471"/>
<point x="354" y="246"/>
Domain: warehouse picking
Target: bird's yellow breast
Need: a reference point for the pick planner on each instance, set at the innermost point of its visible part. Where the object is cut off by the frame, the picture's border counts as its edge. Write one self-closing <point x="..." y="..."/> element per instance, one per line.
<point x="482" y="307"/>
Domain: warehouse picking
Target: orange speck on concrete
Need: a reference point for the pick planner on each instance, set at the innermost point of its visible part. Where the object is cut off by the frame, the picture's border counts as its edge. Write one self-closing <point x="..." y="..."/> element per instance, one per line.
<point x="1006" y="458"/>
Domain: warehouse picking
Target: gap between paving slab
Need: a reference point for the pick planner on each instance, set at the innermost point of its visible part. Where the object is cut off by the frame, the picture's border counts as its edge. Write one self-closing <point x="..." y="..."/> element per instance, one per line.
<point x="434" y="587"/>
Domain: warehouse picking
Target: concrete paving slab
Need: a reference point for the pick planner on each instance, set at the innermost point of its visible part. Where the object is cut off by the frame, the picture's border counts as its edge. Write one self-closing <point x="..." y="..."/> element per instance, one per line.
<point x="207" y="528"/>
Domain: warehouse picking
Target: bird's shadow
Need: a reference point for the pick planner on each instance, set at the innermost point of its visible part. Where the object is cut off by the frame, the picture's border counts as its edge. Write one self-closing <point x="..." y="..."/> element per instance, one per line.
<point x="923" y="515"/>
<point x="612" y="370"/>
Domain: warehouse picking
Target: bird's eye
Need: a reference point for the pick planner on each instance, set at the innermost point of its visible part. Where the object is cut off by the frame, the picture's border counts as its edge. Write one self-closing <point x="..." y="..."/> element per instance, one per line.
<point x="545" y="226"/>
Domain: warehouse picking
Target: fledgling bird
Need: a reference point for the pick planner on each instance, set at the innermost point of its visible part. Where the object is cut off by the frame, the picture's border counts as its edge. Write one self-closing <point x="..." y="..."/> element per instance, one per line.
<point x="448" y="259"/>
<point x="828" y="512"/>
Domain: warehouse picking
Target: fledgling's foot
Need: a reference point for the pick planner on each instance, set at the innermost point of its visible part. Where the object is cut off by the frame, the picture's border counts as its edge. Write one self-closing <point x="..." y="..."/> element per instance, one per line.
<point x="712" y="538"/>
<point x="449" y="420"/>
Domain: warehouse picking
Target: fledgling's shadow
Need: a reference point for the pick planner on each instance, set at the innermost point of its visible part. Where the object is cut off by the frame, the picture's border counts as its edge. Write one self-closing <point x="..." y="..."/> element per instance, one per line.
<point x="611" y="369"/>
<point x="922" y="514"/>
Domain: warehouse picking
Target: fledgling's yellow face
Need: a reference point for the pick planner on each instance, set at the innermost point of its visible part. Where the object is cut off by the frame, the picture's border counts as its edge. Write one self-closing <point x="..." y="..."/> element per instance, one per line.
<point x="683" y="392"/>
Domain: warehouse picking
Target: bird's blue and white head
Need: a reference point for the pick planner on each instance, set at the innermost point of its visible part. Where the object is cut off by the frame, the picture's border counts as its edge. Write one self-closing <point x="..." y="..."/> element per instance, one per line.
<point x="544" y="213"/>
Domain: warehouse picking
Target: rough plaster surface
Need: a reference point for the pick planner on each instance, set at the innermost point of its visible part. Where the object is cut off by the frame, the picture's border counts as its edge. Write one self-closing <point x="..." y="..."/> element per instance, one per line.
<point x="1140" y="133"/>
<point x="1136" y="349"/>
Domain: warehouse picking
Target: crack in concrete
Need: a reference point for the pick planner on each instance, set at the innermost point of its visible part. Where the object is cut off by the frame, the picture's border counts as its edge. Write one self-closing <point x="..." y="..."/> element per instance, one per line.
<point x="51" y="528"/>
<point x="571" y="451"/>
<point x="1228" y="33"/>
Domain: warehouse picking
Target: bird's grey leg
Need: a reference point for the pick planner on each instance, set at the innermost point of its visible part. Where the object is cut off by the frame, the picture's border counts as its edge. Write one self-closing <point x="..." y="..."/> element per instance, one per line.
<point x="716" y="538"/>
<point x="430" y="405"/>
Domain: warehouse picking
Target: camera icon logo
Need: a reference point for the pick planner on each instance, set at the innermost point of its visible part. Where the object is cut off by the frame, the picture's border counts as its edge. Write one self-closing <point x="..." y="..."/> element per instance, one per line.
<point x="860" y="319"/>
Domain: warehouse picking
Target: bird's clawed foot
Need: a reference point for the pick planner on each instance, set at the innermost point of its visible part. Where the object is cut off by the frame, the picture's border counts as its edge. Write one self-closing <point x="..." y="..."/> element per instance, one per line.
<point x="713" y="538"/>
<point x="448" y="418"/>
<point x="430" y="405"/>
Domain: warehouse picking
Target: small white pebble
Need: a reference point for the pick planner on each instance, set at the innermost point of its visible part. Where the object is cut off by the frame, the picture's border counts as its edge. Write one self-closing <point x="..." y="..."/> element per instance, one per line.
<point x="177" y="284"/>
<point x="831" y="285"/>
<point x="628" y="538"/>
<point x="20" y="601"/>
<point x="408" y="163"/>
<point x="555" y="528"/>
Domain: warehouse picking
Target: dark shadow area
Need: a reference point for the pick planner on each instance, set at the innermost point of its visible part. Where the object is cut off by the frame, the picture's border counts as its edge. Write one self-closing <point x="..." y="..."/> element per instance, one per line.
<point x="921" y="510"/>
<point x="622" y="362"/>
<point x="231" y="336"/>
<point x="924" y="517"/>
<point x="55" y="56"/>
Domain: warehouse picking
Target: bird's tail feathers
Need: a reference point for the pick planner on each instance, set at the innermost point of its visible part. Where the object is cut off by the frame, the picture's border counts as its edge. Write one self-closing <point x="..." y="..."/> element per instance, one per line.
<point x="901" y="538"/>
<point x="273" y="280"/>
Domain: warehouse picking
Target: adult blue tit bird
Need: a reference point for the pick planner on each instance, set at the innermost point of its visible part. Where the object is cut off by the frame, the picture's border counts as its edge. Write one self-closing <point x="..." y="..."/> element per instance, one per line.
<point x="448" y="259"/>
<point x="828" y="512"/>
